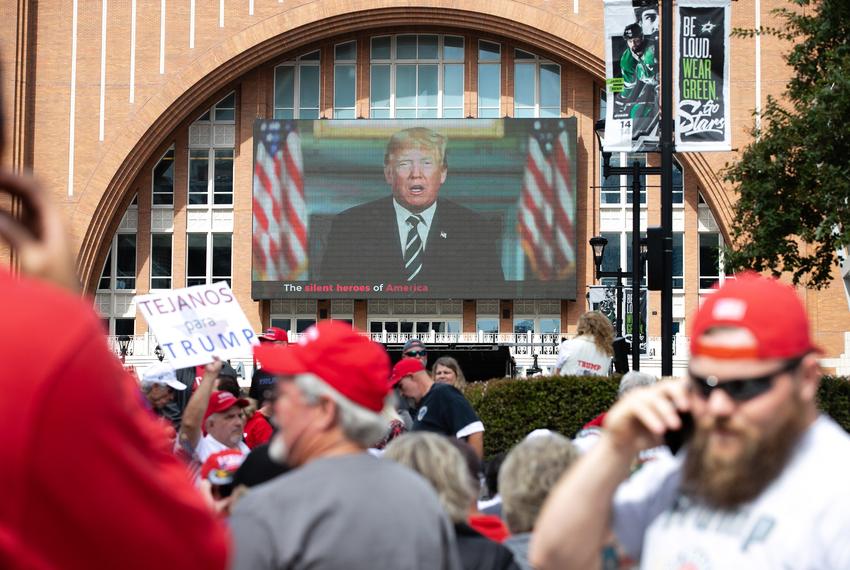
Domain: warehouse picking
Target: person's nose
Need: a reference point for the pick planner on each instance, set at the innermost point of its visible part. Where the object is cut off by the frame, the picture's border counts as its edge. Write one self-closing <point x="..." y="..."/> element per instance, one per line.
<point x="720" y="404"/>
<point x="415" y="170"/>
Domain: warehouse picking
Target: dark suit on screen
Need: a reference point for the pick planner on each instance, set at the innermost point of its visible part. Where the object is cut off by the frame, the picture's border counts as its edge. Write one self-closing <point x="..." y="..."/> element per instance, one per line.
<point x="364" y="247"/>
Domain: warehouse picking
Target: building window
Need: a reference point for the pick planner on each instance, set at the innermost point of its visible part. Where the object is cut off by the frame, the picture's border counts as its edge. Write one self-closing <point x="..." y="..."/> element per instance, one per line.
<point x="160" y="261"/>
<point x="487" y="325"/>
<point x="119" y="271"/>
<point x="162" y="193"/>
<point x="709" y="259"/>
<point x="416" y="76"/>
<point x="678" y="260"/>
<point x="296" y="88"/>
<point x="537" y="86"/>
<point x="211" y="185"/>
<point x="345" y="80"/>
<point x="678" y="184"/>
<point x="489" y="80"/>
<point x="201" y="268"/>
<point x="125" y="326"/>
<point x="211" y="143"/>
<point x="618" y="189"/>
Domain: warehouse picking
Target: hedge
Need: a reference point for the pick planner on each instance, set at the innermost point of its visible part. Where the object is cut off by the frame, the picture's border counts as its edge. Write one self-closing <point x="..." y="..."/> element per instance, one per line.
<point x="510" y="408"/>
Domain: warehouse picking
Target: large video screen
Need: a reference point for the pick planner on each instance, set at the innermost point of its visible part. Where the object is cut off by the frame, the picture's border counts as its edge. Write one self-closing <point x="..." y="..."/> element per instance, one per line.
<point x="418" y="208"/>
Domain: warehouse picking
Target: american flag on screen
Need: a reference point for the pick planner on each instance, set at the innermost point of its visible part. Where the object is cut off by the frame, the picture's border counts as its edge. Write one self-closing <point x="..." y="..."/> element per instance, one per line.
<point x="280" y="211"/>
<point x="546" y="212"/>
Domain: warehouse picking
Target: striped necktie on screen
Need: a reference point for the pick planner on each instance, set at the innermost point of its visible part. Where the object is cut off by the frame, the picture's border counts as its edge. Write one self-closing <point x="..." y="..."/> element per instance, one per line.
<point x="413" y="248"/>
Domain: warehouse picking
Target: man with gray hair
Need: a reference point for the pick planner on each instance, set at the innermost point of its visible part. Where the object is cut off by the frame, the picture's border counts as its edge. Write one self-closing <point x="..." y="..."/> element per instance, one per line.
<point x="158" y="383"/>
<point x="528" y="473"/>
<point x="340" y="507"/>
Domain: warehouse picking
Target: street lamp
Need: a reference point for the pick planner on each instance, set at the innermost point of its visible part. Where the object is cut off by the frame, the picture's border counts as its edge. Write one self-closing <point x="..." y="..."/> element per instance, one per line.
<point x="160" y="354"/>
<point x="598" y="244"/>
<point x="639" y="246"/>
<point x="123" y="346"/>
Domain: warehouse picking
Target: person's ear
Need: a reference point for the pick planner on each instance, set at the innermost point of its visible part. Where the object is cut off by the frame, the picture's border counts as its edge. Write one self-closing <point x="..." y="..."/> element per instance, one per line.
<point x="443" y="174"/>
<point x="388" y="174"/>
<point x="809" y="373"/>
<point x="327" y="413"/>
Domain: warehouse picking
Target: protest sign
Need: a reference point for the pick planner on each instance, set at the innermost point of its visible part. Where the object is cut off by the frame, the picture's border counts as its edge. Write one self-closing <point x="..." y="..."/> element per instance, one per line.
<point x="196" y="323"/>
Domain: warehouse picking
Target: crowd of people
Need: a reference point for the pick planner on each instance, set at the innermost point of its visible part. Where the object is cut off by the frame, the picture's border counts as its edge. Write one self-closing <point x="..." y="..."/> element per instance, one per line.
<point x="347" y="461"/>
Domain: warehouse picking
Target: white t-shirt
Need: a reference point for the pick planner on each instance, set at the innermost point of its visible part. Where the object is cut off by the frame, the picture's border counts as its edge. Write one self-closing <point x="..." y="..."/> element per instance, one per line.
<point x="801" y="521"/>
<point x="209" y="445"/>
<point x="580" y="357"/>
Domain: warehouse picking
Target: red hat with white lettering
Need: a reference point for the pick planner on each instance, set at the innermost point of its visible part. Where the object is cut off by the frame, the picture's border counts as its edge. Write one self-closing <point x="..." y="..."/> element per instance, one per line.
<point x="274" y="334"/>
<point x="334" y="351"/>
<point x="405" y="367"/>
<point x="220" y="467"/>
<point x="767" y="308"/>
<point x="221" y="401"/>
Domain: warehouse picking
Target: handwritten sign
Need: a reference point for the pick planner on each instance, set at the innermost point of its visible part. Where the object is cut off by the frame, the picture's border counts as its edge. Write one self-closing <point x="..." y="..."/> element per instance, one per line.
<point x="196" y="323"/>
<point x="702" y="70"/>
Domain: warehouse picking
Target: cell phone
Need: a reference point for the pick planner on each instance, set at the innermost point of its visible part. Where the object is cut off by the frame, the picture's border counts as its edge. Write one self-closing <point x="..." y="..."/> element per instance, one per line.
<point x="675" y="439"/>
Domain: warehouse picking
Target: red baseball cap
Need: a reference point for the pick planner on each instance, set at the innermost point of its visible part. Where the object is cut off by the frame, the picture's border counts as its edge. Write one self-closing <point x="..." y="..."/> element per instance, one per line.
<point x="274" y="334"/>
<point x="334" y="351"/>
<point x="220" y="467"/>
<point x="769" y="309"/>
<point x="221" y="401"/>
<point x="405" y="367"/>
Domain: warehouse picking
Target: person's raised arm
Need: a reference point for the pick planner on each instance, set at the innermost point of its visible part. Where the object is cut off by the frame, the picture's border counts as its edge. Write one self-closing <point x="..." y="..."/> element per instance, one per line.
<point x="574" y="523"/>
<point x="193" y="415"/>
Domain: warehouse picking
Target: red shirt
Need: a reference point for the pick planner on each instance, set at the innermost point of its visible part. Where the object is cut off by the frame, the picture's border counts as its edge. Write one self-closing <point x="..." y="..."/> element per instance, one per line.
<point x="258" y="430"/>
<point x="87" y="481"/>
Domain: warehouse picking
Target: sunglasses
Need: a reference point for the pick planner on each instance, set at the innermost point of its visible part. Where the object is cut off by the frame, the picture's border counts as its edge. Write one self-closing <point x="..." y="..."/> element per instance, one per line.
<point x="416" y="353"/>
<point x="740" y="390"/>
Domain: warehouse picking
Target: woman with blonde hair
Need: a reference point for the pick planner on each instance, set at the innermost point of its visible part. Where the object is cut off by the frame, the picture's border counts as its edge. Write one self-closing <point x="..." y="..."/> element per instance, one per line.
<point x="447" y="371"/>
<point x="591" y="351"/>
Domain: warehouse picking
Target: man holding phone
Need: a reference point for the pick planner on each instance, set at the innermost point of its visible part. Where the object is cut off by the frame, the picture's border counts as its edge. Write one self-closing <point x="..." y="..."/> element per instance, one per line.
<point x="760" y="484"/>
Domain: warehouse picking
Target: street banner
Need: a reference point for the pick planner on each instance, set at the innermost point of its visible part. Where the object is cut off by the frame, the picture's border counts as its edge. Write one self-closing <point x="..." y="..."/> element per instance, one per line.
<point x="702" y="75"/>
<point x="632" y="114"/>
<point x="603" y="298"/>
<point x="196" y="323"/>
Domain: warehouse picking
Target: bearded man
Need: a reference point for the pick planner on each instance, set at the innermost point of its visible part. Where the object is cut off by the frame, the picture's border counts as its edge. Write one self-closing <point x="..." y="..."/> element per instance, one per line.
<point x="760" y="485"/>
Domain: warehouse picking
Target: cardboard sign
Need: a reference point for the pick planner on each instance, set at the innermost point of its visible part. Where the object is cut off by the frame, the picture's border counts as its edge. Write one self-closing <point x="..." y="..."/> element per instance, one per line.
<point x="196" y="323"/>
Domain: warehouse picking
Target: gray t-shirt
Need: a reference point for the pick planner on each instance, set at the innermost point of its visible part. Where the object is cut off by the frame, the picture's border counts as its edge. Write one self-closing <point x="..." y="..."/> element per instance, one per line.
<point x="350" y="511"/>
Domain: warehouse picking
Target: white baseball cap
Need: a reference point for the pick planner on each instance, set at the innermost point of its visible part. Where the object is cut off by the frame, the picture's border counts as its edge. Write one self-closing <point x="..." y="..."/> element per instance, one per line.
<point x="162" y="374"/>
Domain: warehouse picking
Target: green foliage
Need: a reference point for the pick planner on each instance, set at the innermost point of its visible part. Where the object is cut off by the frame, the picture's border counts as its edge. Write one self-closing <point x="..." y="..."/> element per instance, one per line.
<point x="794" y="179"/>
<point x="510" y="409"/>
<point x="834" y="399"/>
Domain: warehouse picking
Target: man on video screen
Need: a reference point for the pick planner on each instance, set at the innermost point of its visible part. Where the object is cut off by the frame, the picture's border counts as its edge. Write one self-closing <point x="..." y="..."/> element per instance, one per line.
<point x="413" y="236"/>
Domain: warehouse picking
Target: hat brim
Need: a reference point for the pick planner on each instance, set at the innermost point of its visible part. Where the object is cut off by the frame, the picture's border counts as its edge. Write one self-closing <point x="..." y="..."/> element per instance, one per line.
<point x="176" y="384"/>
<point x="280" y="360"/>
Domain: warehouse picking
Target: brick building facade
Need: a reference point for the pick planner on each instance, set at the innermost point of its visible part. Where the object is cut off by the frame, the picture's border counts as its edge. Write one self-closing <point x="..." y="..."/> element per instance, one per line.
<point x="123" y="107"/>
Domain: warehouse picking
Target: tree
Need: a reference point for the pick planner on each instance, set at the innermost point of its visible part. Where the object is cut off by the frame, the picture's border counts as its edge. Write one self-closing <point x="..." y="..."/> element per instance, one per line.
<point x="794" y="179"/>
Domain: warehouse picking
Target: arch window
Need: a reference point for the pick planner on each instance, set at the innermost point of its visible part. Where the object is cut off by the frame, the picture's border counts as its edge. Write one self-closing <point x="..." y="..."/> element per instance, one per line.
<point x="537" y="86"/>
<point x="416" y="76"/>
<point x="489" y="79"/>
<point x="345" y="80"/>
<point x="297" y="88"/>
<point x="211" y="144"/>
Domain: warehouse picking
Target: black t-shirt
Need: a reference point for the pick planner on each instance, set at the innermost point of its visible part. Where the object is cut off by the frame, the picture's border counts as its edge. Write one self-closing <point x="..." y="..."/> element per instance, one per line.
<point x="444" y="410"/>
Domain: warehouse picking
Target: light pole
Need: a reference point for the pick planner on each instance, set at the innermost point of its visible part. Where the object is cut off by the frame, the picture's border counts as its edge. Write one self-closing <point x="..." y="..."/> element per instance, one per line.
<point x="123" y="346"/>
<point x="638" y="244"/>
